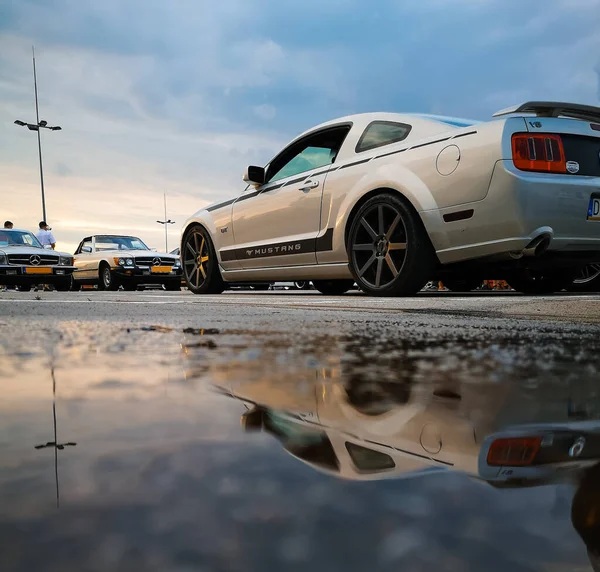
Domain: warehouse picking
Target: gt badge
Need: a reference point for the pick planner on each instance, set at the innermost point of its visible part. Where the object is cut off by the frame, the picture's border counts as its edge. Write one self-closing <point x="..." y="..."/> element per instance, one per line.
<point x="573" y="167"/>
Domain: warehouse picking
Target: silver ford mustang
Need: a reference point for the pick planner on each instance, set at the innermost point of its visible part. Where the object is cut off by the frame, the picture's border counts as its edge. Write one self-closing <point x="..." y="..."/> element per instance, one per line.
<point x="392" y="201"/>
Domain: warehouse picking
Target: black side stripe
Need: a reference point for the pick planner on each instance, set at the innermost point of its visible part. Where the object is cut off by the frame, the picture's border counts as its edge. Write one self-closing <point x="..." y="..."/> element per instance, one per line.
<point x="294" y="181"/>
<point x="430" y="143"/>
<point x="321" y="244"/>
<point x="355" y="163"/>
<point x="391" y="153"/>
<point x="464" y="134"/>
<point x="320" y="173"/>
<point x="248" y="196"/>
<point x="325" y="242"/>
<point x="274" y="187"/>
<point x="424" y="144"/>
<point x="220" y="205"/>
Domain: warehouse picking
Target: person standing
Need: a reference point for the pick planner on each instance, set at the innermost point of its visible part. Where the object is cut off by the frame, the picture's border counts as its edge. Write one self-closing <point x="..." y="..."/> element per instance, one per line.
<point x="45" y="236"/>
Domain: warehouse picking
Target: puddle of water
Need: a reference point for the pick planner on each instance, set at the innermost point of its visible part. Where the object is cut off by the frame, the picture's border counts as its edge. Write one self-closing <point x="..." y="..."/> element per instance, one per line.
<point x="154" y="448"/>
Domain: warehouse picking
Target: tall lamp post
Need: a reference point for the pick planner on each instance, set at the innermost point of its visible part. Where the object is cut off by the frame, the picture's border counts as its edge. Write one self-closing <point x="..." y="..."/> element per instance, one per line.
<point x="36" y="127"/>
<point x="54" y="444"/>
<point x="166" y="222"/>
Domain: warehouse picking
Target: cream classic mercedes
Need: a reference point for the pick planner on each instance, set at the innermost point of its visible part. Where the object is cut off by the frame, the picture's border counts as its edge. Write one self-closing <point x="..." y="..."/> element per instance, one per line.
<point x="392" y="201"/>
<point x="24" y="262"/>
<point x="110" y="261"/>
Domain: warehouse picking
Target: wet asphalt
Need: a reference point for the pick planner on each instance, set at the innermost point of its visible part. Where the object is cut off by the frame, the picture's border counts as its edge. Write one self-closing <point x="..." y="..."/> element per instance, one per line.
<point x="276" y="430"/>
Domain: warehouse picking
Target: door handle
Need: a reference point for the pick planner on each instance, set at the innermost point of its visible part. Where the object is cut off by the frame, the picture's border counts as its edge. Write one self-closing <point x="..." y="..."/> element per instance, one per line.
<point x="309" y="185"/>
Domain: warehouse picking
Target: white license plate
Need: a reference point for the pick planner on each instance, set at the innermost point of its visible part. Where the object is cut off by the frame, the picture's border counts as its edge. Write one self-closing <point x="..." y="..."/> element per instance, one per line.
<point x="594" y="209"/>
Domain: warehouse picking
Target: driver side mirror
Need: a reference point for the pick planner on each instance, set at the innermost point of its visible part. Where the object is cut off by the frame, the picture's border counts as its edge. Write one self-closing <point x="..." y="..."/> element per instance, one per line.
<point x="87" y="249"/>
<point x="254" y="175"/>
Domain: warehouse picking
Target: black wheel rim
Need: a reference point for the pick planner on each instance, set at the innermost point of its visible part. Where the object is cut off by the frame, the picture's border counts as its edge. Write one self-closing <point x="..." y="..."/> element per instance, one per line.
<point x="195" y="259"/>
<point x="587" y="274"/>
<point x="379" y="246"/>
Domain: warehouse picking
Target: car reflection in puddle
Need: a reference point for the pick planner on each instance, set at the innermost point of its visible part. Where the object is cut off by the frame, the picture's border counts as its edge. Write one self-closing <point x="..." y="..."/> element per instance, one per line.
<point x="420" y="435"/>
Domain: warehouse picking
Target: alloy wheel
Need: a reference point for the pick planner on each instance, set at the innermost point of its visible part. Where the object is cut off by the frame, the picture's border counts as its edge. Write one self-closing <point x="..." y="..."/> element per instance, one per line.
<point x="587" y="274"/>
<point x="378" y="247"/>
<point x="195" y="259"/>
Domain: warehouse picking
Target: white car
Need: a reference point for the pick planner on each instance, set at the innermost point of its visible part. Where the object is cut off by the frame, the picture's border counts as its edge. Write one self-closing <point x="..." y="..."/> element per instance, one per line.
<point x="392" y="201"/>
<point x="24" y="262"/>
<point x="110" y="261"/>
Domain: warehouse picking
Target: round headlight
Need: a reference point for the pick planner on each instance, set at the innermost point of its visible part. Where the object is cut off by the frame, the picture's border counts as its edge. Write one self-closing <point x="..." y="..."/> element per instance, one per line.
<point x="130" y="262"/>
<point x="121" y="261"/>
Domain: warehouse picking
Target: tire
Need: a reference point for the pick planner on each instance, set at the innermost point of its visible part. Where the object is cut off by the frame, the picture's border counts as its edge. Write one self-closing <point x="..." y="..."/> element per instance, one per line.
<point x="107" y="280"/>
<point x="539" y="282"/>
<point x="465" y="284"/>
<point x="587" y="279"/>
<point x="389" y="251"/>
<point x="302" y="284"/>
<point x="75" y="285"/>
<point x="173" y="286"/>
<point x="333" y="287"/>
<point x="200" y="264"/>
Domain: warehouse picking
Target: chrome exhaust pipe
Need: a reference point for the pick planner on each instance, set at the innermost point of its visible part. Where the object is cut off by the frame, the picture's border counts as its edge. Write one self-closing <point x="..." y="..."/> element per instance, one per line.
<point x="537" y="246"/>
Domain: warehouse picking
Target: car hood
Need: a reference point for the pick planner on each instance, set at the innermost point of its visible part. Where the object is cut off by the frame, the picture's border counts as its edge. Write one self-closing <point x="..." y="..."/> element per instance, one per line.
<point x="31" y="250"/>
<point x="140" y="253"/>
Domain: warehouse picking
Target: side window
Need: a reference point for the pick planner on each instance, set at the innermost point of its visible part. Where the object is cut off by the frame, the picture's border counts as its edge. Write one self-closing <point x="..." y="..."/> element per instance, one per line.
<point x="381" y="133"/>
<point x="368" y="460"/>
<point x="86" y="245"/>
<point x="311" y="152"/>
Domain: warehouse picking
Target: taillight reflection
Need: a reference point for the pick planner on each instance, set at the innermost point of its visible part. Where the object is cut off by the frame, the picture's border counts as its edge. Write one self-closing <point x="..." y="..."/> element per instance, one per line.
<point x="538" y="152"/>
<point x="515" y="452"/>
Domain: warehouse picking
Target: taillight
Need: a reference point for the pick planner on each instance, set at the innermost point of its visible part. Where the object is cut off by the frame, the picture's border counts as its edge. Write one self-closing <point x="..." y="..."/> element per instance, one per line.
<point x="516" y="452"/>
<point x="538" y="152"/>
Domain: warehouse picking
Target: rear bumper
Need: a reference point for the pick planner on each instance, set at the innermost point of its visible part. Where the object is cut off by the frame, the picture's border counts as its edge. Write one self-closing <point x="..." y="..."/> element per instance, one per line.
<point x="519" y="208"/>
<point x="12" y="275"/>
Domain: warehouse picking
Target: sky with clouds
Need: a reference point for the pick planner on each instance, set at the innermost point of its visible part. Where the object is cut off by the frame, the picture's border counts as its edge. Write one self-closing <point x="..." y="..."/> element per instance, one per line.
<point x="179" y="97"/>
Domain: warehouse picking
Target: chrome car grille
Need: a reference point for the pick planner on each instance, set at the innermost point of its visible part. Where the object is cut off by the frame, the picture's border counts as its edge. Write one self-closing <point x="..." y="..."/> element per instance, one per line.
<point x="153" y="261"/>
<point x="32" y="259"/>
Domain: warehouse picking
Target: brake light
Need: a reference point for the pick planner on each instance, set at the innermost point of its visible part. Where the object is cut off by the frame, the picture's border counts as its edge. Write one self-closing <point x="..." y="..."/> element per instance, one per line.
<point x="538" y="152"/>
<point x="517" y="452"/>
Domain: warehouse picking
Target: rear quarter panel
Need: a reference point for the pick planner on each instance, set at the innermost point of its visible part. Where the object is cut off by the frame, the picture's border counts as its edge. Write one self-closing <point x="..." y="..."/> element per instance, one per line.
<point x="414" y="174"/>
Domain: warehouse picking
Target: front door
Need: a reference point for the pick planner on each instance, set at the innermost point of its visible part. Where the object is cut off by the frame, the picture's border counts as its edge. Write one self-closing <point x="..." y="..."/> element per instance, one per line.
<point x="277" y="225"/>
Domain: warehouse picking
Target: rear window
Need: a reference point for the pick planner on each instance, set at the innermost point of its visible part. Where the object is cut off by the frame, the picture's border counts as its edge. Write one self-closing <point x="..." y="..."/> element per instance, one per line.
<point x="381" y="133"/>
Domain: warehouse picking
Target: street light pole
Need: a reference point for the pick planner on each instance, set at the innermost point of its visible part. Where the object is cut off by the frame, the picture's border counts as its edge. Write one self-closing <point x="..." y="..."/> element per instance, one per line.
<point x="37" y="120"/>
<point x="36" y="127"/>
<point x="166" y="222"/>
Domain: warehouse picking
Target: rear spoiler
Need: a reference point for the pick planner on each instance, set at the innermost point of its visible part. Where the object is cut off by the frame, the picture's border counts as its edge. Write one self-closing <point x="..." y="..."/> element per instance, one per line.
<point x="555" y="109"/>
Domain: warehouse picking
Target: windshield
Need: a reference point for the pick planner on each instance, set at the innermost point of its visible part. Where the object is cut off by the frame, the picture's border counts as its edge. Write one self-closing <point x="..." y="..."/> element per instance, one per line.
<point x="110" y="242"/>
<point x="18" y="238"/>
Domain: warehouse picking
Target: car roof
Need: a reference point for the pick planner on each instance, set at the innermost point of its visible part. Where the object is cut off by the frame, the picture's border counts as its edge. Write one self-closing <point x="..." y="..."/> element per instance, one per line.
<point x="392" y="116"/>
<point x="361" y="120"/>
